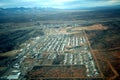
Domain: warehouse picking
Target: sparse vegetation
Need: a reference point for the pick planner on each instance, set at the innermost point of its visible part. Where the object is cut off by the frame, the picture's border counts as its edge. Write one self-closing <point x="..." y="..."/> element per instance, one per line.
<point x="20" y="25"/>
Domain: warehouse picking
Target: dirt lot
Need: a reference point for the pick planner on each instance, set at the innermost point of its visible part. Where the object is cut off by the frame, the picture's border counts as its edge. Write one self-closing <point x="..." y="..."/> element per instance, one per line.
<point x="93" y="27"/>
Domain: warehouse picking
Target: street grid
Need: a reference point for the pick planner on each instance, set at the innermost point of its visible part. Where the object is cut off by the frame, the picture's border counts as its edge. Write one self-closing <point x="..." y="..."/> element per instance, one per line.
<point x="65" y="50"/>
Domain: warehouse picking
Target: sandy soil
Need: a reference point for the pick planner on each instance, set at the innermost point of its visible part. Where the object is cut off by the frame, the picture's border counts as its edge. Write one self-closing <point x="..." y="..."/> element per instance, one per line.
<point x="93" y="27"/>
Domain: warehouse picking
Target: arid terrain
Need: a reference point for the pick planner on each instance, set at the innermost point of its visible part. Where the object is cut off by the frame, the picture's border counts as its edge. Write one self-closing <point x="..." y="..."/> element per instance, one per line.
<point x="33" y="41"/>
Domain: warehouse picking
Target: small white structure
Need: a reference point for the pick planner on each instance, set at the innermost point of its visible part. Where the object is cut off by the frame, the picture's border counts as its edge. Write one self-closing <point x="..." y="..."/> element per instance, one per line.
<point x="14" y="76"/>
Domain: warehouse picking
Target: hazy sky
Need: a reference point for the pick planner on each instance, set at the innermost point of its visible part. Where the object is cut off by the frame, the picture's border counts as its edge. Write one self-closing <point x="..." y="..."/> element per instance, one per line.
<point x="63" y="4"/>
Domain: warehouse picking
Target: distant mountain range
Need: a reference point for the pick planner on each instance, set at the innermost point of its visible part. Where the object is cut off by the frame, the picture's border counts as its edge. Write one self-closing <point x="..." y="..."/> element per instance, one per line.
<point x="98" y="8"/>
<point x="28" y="9"/>
<point x="106" y="7"/>
<point x="55" y="9"/>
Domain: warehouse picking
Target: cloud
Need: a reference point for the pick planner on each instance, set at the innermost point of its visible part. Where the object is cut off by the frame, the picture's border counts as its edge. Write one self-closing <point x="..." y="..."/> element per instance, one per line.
<point x="114" y="2"/>
<point x="58" y="3"/>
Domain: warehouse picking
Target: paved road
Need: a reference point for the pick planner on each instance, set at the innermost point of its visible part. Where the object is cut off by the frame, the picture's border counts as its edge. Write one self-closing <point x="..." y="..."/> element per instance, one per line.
<point x="24" y="52"/>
